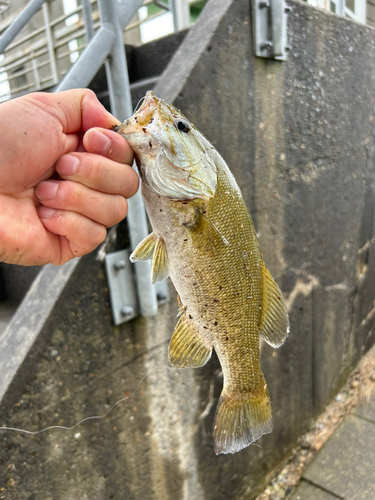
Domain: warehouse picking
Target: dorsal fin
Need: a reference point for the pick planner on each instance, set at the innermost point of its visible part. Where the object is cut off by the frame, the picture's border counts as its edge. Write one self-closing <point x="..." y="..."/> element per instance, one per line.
<point x="274" y="323"/>
<point x="187" y="348"/>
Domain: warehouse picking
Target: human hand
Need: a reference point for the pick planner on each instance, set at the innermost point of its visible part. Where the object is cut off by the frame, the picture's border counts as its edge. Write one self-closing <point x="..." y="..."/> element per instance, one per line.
<point x="62" y="182"/>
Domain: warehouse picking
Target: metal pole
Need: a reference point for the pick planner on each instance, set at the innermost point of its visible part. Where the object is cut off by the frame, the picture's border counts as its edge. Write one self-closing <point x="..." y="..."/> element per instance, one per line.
<point x="340" y="7"/>
<point x="121" y="104"/>
<point x="35" y="72"/>
<point x="180" y="14"/>
<point x="84" y="70"/>
<point x="87" y="16"/>
<point x="20" y="21"/>
<point x="126" y="11"/>
<point x="51" y="49"/>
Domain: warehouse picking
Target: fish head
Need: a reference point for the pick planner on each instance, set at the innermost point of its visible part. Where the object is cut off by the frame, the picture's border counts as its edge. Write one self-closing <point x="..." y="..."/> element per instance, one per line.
<point x="173" y="157"/>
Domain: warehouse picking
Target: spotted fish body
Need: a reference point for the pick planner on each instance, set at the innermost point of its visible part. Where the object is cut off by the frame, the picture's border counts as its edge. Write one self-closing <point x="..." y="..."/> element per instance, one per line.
<point x="204" y="239"/>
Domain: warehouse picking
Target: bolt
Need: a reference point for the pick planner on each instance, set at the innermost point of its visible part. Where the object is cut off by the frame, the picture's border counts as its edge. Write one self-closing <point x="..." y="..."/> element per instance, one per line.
<point x="288" y="9"/>
<point x="127" y="310"/>
<point x="264" y="5"/>
<point x="267" y="45"/>
<point x="161" y="296"/>
<point x="287" y="48"/>
<point x="120" y="264"/>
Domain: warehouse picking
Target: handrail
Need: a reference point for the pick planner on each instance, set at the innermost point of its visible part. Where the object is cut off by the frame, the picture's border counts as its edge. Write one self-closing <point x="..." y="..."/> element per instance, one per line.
<point x="21" y="20"/>
<point x="64" y="41"/>
<point x="91" y="59"/>
<point x="106" y="46"/>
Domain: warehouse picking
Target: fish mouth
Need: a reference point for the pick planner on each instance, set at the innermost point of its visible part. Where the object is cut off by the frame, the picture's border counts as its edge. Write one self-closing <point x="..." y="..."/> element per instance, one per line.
<point x="141" y="118"/>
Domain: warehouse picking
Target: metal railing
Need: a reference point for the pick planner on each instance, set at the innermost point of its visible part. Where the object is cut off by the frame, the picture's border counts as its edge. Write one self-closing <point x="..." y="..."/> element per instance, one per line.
<point x="106" y="45"/>
<point x="41" y="58"/>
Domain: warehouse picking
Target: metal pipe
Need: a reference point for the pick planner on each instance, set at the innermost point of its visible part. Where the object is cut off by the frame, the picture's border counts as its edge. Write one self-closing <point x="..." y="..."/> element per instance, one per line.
<point x="340" y="7"/>
<point x="69" y="52"/>
<point x="121" y="105"/>
<point x="74" y="36"/>
<point x="180" y="14"/>
<point x="162" y="5"/>
<point x="138" y="230"/>
<point x="126" y="10"/>
<point x="26" y="38"/>
<point x="60" y="19"/>
<point x="18" y="62"/>
<point x="36" y="73"/>
<point x="87" y="16"/>
<point x="81" y="74"/>
<point x="51" y="50"/>
<point x="135" y="24"/>
<point x="24" y="17"/>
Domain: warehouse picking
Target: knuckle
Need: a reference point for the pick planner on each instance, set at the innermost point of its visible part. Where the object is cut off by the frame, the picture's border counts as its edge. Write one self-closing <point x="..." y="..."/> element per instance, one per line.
<point x="65" y="193"/>
<point x="94" y="167"/>
<point x="78" y="223"/>
<point x="121" y="208"/>
<point x="100" y="236"/>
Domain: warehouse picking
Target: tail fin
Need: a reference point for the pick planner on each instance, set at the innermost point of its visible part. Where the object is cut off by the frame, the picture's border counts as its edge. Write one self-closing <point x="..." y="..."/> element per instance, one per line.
<point x="240" y="420"/>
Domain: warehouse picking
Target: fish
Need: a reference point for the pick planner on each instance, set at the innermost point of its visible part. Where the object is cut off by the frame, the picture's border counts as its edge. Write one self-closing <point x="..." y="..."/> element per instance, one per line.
<point x="204" y="239"/>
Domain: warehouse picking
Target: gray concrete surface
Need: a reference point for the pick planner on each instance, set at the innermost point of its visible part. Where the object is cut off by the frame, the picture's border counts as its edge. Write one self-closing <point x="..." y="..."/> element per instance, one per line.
<point x="23" y="329"/>
<point x="366" y="410"/>
<point x="344" y="468"/>
<point x="7" y="309"/>
<point x="299" y="137"/>
<point x="308" y="491"/>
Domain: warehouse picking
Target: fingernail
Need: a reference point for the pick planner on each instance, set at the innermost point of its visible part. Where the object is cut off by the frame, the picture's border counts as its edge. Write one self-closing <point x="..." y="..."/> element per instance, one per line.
<point x="67" y="165"/>
<point x="99" y="142"/>
<point x="45" y="212"/>
<point x="47" y="190"/>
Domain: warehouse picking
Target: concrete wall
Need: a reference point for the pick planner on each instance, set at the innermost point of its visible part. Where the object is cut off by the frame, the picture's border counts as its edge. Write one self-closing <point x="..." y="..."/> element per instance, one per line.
<point x="300" y="138"/>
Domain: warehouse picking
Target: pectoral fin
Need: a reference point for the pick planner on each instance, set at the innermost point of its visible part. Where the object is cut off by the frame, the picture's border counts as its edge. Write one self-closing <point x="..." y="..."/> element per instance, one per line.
<point x="145" y="249"/>
<point x="160" y="265"/>
<point x="187" y="348"/>
<point x="274" y="323"/>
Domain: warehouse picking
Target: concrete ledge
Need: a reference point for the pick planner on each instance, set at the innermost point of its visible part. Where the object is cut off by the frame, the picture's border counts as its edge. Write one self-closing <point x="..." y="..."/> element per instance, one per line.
<point x="190" y="51"/>
<point x="29" y="319"/>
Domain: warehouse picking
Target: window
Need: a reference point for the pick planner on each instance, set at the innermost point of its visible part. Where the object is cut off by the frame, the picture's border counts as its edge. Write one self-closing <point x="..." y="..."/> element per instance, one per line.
<point x="354" y="9"/>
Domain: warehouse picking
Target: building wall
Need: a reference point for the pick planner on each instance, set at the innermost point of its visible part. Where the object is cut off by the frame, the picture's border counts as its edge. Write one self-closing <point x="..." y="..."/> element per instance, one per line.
<point x="370" y="14"/>
<point x="55" y="8"/>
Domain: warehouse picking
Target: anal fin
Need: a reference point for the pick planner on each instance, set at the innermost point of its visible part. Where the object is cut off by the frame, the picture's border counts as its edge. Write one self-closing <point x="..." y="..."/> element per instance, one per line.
<point x="145" y="249"/>
<point x="274" y="323"/>
<point x="187" y="348"/>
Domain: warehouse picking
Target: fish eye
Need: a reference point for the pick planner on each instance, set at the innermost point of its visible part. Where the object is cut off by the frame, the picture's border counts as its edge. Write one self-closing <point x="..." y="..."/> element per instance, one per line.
<point x="182" y="125"/>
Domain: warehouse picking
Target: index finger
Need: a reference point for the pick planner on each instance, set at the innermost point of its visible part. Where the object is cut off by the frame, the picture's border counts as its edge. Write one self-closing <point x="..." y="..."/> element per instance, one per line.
<point x="77" y="110"/>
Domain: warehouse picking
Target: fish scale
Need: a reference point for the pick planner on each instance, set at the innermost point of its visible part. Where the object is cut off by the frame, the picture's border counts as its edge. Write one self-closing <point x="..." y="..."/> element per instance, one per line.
<point x="204" y="239"/>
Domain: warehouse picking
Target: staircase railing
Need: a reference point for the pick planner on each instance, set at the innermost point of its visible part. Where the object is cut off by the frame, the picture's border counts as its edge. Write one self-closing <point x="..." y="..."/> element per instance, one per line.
<point x="106" y="46"/>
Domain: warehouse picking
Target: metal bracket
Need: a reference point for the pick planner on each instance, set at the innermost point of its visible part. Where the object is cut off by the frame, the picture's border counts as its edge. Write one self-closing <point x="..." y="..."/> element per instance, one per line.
<point x="121" y="286"/>
<point x="270" y="28"/>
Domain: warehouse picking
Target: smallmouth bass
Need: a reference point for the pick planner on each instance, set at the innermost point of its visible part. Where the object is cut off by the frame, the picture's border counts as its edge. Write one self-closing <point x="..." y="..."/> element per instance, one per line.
<point x="204" y="239"/>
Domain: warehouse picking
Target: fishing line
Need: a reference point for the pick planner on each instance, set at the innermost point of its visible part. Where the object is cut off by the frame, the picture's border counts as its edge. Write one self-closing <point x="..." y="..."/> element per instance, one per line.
<point x="140" y="102"/>
<point x="225" y="241"/>
<point x="94" y="417"/>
